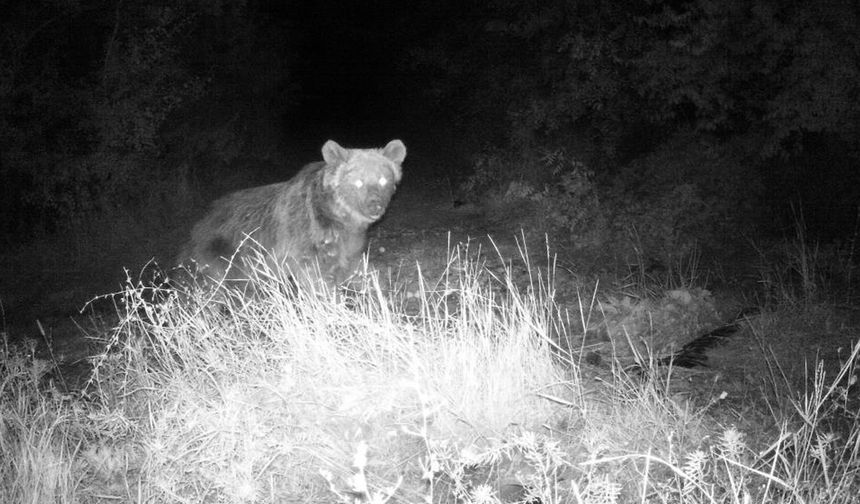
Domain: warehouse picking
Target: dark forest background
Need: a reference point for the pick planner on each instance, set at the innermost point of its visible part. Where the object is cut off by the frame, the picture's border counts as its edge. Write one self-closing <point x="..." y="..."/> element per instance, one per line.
<point x="669" y="122"/>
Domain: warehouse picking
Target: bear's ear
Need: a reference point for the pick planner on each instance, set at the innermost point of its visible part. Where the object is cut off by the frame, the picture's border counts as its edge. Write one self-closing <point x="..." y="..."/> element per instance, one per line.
<point x="334" y="154"/>
<point x="395" y="151"/>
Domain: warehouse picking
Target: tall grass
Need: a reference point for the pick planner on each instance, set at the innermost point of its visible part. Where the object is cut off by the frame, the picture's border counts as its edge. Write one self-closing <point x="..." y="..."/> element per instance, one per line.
<point x="799" y="271"/>
<point x="38" y="447"/>
<point x="283" y="395"/>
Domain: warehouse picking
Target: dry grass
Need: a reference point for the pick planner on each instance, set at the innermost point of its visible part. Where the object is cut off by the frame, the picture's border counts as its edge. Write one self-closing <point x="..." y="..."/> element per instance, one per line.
<point x="224" y="396"/>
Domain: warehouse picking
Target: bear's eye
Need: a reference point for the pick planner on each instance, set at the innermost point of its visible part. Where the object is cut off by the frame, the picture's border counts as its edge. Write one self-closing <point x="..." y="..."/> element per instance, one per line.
<point x="358" y="183"/>
<point x="383" y="181"/>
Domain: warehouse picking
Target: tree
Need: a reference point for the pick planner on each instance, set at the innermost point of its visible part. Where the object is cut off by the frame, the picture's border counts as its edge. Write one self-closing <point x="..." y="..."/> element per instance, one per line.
<point x="769" y="71"/>
<point x="96" y="96"/>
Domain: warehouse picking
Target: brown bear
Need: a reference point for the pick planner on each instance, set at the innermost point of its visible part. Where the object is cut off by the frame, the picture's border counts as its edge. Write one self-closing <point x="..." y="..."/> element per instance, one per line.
<point x="314" y="225"/>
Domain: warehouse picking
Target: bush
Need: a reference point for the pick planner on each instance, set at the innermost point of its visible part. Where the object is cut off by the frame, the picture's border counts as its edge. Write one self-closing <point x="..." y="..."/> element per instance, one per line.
<point x="653" y="211"/>
<point x="572" y="204"/>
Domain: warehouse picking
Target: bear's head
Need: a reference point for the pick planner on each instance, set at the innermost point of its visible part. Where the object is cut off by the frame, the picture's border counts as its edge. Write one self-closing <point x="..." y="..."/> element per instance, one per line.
<point x="363" y="180"/>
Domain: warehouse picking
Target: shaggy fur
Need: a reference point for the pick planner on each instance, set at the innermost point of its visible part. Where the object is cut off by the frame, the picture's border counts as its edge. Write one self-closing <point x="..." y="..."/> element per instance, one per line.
<point x="313" y="224"/>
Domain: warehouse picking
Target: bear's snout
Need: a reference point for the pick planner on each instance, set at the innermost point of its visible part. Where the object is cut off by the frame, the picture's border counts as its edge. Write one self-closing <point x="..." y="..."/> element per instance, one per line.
<point x="375" y="206"/>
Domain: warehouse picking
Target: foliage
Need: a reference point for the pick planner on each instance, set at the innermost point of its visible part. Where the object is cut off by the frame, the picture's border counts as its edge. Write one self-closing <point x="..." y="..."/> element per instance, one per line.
<point x="657" y="210"/>
<point x="625" y="76"/>
<point x="761" y="83"/>
<point x="491" y="170"/>
<point x="94" y="103"/>
<point x="572" y="205"/>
